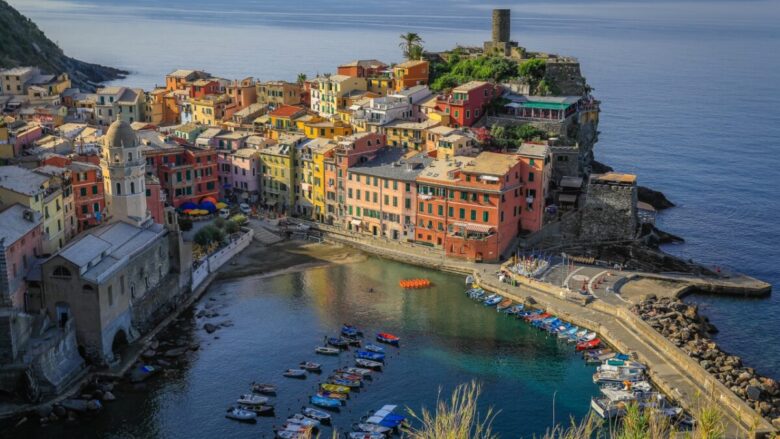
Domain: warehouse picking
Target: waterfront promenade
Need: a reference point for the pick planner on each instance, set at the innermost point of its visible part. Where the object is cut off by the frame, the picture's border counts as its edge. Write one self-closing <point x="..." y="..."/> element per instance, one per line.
<point x="673" y="371"/>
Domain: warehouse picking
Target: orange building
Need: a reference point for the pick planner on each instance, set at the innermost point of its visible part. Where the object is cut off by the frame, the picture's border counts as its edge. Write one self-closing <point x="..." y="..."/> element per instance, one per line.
<point x="470" y="206"/>
<point x="410" y="73"/>
<point x="181" y="79"/>
<point x="362" y="68"/>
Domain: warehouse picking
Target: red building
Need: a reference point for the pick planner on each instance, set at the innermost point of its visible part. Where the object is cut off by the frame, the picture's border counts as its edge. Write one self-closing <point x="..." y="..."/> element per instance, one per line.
<point x="203" y="87"/>
<point x="470" y="208"/>
<point x="186" y="173"/>
<point x="155" y="198"/>
<point x="350" y="150"/>
<point x="362" y="68"/>
<point x="466" y="104"/>
<point x="535" y="174"/>
<point x="87" y="182"/>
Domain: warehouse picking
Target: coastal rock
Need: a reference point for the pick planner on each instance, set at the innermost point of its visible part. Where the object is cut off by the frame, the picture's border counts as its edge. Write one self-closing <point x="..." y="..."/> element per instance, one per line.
<point x="209" y="328"/>
<point x="94" y="405"/>
<point x="108" y="396"/>
<point x="753" y="393"/>
<point x="149" y="353"/>
<point x="176" y="352"/>
<point x="44" y="411"/>
<point x="654" y="198"/>
<point x="75" y="405"/>
<point x="59" y="410"/>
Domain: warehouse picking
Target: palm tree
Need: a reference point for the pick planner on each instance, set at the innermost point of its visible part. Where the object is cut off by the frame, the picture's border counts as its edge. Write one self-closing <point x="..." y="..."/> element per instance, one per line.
<point x="408" y="41"/>
<point x="301" y="78"/>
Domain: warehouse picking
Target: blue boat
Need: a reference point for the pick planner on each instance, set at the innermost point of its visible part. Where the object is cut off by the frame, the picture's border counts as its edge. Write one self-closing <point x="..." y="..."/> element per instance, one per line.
<point x="350" y="331"/>
<point x="338" y="342"/>
<point x="385" y="337"/>
<point x="514" y="309"/>
<point x="371" y="347"/>
<point x="493" y="301"/>
<point x="328" y="403"/>
<point x="373" y="356"/>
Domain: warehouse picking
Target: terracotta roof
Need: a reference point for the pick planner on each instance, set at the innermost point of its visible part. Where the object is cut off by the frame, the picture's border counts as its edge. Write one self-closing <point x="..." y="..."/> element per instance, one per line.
<point x="286" y="111"/>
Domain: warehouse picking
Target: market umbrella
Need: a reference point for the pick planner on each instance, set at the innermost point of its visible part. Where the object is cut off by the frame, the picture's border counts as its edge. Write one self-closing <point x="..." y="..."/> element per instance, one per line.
<point x="188" y="205"/>
<point x="221" y="205"/>
<point x="211" y="200"/>
<point x="208" y="206"/>
<point x="187" y="211"/>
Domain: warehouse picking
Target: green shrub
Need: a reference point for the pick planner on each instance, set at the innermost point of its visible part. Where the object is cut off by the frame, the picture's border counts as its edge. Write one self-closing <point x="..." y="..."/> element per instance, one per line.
<point x="232" y="227"/>
<point x="239" y="219"/>
<point x="185" y="224"/>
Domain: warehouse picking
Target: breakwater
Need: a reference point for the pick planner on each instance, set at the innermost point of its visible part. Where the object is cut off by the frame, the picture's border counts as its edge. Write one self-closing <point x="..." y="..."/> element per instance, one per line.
<point x="670" y="368"/>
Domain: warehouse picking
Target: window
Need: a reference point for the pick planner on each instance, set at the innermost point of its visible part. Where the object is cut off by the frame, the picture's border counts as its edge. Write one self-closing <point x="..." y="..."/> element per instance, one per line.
<point x="408" y="187"/>
<point x="110" y="296"/>
<point x="486" y="198"/>
<point x="530" y="176"/>
<point x="422" y="206"/>
<point x="464" y="195"/>
<point x="83" y="192"/>
<point x="462" y="213"/>
<point x="132" y="187"/>
<point x="119" y="189"/>
<point x="441" y="210"/>
<point x="94" y="189"/>
<point x="61" y="272"/>
<point x="430" y="208"/>
<point x="84" y="209"/>
<point x="450" y="211"/>
<point x="407" y="203"/>
<point x="486" y="216"/>
<point x="473" y="215"/>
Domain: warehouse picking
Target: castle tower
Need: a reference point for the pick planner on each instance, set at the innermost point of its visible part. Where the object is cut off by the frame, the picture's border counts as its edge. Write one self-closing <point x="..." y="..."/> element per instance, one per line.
<point x="501" y="25"/>
<point x="124" y="172"/>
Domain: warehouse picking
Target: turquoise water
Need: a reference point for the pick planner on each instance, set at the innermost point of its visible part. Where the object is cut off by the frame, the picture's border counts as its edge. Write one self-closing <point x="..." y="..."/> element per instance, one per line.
<point x="446" y="340"/>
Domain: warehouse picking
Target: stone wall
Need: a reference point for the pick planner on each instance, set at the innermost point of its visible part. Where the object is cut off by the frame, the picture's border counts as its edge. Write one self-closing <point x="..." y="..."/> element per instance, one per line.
<point x="609" y="213"/>
<point x="565" y="76"/>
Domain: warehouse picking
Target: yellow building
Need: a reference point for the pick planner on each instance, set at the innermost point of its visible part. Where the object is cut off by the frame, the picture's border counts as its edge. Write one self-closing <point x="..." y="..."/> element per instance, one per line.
<point x="382" y="85"/>
<point x="456" y="144"/>
<point x="312" y="175"/>
<point x="326" y="128"/>
<point x="6" y="147"/>
<point x="331" y="92"/>
<point x="209" y="110"/>
<point x="36" y="192"/>
<point x="408" y="135"/>
<point x="278" y="172"/>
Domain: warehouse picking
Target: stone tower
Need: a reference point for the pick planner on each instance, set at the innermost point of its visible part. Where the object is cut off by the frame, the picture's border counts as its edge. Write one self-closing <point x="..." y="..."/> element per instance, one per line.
<point x="501" y="25"/>
<point x="124" y="172"/>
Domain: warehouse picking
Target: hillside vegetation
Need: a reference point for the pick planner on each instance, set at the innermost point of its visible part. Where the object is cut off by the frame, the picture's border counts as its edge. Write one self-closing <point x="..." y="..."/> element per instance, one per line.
<point x="23" y="44"/>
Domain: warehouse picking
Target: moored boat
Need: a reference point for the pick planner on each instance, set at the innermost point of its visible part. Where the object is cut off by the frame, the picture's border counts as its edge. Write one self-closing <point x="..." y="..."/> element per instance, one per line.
<point x="493" y="301"/>
<point x="373" y="348"/>
<point x="592" y="344"/>
<point x="260" y="410"/>
<point x="295" y="373"/>
<point x="241" y="415"/>
<point x="319" y="415"/>
<point x="311" y="366"/>
<point x="374" y="356"/>
<point x="251" y="399"/>
<point x="327" y="403"/>
<point x="338" y="388"/>
<point x="352" y="384"/>
<point x="265" y="389"/>
<point x="365" y="373"/>
<point x="386" y="337"/>
<point x="350" y="331"/>
<point x="618" y="374"/>
<point x="333" y="395"/>
<point x="504" y="304"/>
<point x="365" y="435"/>
<point x="324" y="350"/>
<point x="302" y="420"/>
<point x="338" y="342"/>
<point x="369" y="364"/>
<point x="371" y="428"/>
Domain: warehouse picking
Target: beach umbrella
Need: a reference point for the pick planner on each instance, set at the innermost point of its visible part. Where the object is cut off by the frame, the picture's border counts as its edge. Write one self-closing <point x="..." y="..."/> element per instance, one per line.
<point x="189" y="205"/>
<point x="208" y="206"/>
<point x="221" y="205"/>
<point x="188" y="211"/>
<point x="211" y="200"/>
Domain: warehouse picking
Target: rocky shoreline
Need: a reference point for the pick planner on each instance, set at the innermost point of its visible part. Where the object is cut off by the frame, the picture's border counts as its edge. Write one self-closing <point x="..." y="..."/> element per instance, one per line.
<point x="681" y="324"/>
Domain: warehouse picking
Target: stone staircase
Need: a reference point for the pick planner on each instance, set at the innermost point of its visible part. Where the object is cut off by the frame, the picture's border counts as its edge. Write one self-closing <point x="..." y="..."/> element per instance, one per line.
<point x="262" y="234"/>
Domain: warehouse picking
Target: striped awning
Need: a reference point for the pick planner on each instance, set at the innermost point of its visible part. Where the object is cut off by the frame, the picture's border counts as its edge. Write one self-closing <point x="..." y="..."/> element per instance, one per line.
<point x="479" y="228"/>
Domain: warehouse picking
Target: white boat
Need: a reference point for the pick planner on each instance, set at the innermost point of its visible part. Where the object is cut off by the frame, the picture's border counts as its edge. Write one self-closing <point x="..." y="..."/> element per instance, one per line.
<point x="285" y="434"/>
<point x="295" y="373"/>
<point x="372" y="428"/>
<point x="365" y="435"/>
<point x="319" y="415"/>
<point x="241" y="415"/>
<point x="303" y="420"/>
<point x="358" y="371"/>
<point x="587" y="337"/>
<point x="324" y="350"/>
<point x="252" y="399"/>
<point x="370" y="364"/>
<point x="617" y="374"/>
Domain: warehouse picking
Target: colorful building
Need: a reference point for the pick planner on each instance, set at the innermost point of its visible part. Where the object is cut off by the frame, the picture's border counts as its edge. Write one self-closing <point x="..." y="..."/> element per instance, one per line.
<point x="408" y="135"/>
<point x="467" y="103"/>
<point x="119" y="103"/>
<point x="181" y="79"/>
<point x="410" y="73"/>
<point x="382" y="194"/>
<point x="332" y="91"/>
<point x="362" y="68"/>
<point x="278" y="177"/>
<point x="535" y="174"/>
<point x="20" y="244"/>
<point x="318" y="151"/>
<point x="326" y="128"/>
<point x="278" y="93"/>
<point x="239" y="174"/>
<point x="468" y="206"/>
<point x="209" y="110"/>
<point x="283" y="119"/>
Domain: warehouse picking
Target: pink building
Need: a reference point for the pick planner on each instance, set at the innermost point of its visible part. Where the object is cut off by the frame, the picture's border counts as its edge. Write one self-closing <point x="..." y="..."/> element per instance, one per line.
<point x="24" y="136"/>
<point x="239" y="174"/>
<point x="155" y="198"/>
<point x="20" y="243"/>
<point x="382" y="193"/>
<point x="535" y="174"/>
<point x="350" y="150"/>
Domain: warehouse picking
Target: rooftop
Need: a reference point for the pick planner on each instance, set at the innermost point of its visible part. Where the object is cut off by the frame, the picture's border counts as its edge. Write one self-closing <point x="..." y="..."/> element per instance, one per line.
<point x="286" y="111"/>
<point x="405" y="124"/>
<point x="490" y="163"/>
<point x="17" y="70"/>
<point x="102" y="250"/>
<point x="181" y="73"/>
<point x="614" y="178"/>
<point x="411" y="63"/>
<point x="365" y="63"/>
<point x="23" y="181"/>
<point x="467" y="87"/>
<point x="390" y="163"/>
<point x="442" y="170"/>
<point x="535" y="150"/>
<point x="15" y="225"/>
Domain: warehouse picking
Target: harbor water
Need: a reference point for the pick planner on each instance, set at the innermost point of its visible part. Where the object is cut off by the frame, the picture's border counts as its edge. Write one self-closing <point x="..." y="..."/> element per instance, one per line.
<point x="527" y="376"/>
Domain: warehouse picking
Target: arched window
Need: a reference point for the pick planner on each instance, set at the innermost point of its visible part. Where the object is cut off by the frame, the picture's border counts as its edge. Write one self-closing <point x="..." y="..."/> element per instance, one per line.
<point x="132" y="187"/>
<point x="129" y="156"/>
<point x="119" y="188"/>
<point x="60" y="271"/>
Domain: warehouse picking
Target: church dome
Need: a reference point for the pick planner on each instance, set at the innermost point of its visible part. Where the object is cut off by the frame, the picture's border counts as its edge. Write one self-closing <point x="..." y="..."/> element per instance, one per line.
<point x="120" y="135"/>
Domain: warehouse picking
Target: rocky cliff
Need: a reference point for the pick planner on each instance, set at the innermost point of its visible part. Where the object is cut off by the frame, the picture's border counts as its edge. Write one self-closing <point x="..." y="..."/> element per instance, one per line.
<point x="23" y="44"/>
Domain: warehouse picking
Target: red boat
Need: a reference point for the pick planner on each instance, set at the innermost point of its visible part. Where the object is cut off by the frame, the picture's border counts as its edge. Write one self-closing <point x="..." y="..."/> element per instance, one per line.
<point x="385" y="337"/>
<point x="585" y="345"/>
<point x="538" y="317"/>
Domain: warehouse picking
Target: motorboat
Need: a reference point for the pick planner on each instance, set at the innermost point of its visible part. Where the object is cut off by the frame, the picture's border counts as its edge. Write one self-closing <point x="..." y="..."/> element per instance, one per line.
<point x="371" y="428"/>
<point x="251" y="399"/>
<point x="493" y="301"/>
<point x="371" y="347"/>
<point x="385" y="417"/>
<point x="346" y="376"/>
<point x="311" y="366"/>
<point x="515" y="309"/>
<point x="617" y="374"/>
<point x="287" y="434"/>
<point x="265" y="389"/>
<point x="260" y="410"/>
<point x="504" y="305"/>
<point x="368" y="364"/>
<point x="592" y="344"/>
<point x="374" y="356"/>
<point x="365" y="435"/>
<point x="365" y="373"/>
<point x="319" y="415"/>
<point x="324" y="350"/>
<point x="302" y="420"/>
<point x="350" y="331"/>
<point x="295" y="373"/>
<point x="241" y="415"/>
<point x="333" y="395"/>
<point x="327" y="403"/>
<point x="338" y="388"/>
<point x="352" y="384"/>
<point x="386" y="337"/>
<point x="353" y="341"/>
<point x="338" y="342"/>
<point x="587" y="337"/>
